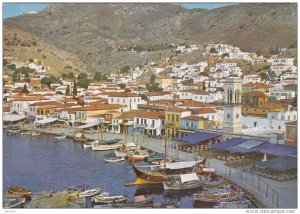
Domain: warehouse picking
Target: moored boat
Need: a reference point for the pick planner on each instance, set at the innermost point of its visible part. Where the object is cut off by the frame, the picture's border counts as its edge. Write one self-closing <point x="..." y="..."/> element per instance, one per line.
<point x="13" y="131"/>
<point x="18" y="190"/>
<point x="106" y="145"/>
<point x="13" y="202"/>
<point x="58" y="138"/>
<point x="182" y="182"/>
<point x="89" y="193"/>
<point x="110" y="199"/>
<point x="114" y="159"/>
<point x="137" y="157"/>
<point x="35" y="133"/>
<point x="217" y="195"/>
<point x="241" y="204"/>
<point x="80" y="137"/>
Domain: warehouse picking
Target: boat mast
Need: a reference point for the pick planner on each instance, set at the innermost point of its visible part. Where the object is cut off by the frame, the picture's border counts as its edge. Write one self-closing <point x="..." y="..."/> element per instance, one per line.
<point x="101" y="131"/>
<point x="165" y="139"/>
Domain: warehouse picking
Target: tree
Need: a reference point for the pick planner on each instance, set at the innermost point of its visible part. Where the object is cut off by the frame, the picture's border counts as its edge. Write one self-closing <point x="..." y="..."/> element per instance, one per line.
<point x="152" y="79"/>
<point x="83" y="83"/>
<point x="272" y="99"/>
<point x="144" y="97"/>
<point x="75" y="88"/>
<point x="70" y="75"/>
<point x="25" y="90"/>
<point x="225" y="55"/>
<point x="247" y="98"/>
<point x="122" y="85"/>
<point x="263" y="75"/>
<point x="125" y="69"/>
<point x="294" y="102"/>
<point x="213" y="50"/>
<point x="68" y="90"/>
<point x="64" y="76"/>
<point x="203" y="86"/>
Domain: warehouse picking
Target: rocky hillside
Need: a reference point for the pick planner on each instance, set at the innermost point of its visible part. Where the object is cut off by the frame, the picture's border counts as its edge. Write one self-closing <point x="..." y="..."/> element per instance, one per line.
<point x="97" y="32"/>
<point x="22" y="46"/>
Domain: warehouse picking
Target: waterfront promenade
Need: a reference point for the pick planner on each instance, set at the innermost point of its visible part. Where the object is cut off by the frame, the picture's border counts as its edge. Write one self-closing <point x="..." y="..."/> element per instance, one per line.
<point x="287" y="191"/>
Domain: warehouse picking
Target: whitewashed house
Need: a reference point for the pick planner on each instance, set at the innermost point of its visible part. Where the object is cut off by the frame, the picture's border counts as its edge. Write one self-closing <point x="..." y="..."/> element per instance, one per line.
<point x="131" y="100"/>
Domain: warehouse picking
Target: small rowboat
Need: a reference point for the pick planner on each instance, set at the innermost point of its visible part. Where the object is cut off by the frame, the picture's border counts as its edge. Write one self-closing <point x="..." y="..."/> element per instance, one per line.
<point x="217" y="195"/>
<point x="113" y="160"/>
<point x="89" y="193"/>
<point x="87" y="145"/>
<point x="58" y="138"/>
<point x="140" y="157"/>
<point x="33" y="134"/>
<point x="10" y="131"/>
<point x="26" y="133"/>
<point x="109" y="199"/>
<point x="18" y="190"/>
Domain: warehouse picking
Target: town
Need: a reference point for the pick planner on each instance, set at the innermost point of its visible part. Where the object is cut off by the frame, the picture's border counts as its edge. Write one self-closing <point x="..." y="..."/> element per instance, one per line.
<point x="236" y="109"/>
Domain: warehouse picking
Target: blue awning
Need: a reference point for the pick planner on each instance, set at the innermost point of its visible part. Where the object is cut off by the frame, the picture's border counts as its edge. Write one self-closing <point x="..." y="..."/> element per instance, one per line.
<point x="197" y="137"/>
<point x="280" y="163"/>
<point x="246" y="146"/>
<point x="228" y="143"/>
<point x="278" y="149"/>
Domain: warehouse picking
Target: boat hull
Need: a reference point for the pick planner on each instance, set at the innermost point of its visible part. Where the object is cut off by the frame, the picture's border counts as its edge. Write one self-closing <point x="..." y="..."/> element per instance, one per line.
<point x="109" y="199"/>
<point x="105" y="147"/>
<point x="114" y="160"/>
<point x="182" y="186"/>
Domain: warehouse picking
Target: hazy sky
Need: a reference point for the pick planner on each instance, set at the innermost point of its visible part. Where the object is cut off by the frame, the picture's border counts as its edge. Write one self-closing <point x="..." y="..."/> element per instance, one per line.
<point x="16" y="9"/>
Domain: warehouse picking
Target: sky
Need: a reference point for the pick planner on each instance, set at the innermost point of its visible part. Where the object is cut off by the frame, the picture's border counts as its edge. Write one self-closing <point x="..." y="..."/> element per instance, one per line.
<point x="16" y="9"/>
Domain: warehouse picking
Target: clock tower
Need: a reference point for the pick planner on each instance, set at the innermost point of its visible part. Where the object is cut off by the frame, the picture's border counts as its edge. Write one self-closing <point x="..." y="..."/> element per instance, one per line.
<point x="232" y="105"/>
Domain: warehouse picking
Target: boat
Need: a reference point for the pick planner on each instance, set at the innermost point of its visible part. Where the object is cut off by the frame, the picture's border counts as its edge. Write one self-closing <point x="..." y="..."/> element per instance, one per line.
<point x="33" y="134"/>
<point x="89" y="193"/>
<point x="13" y="131"/>
<point x="110" y="199"/>
<point x="155" y="173"/>
<point x="18" y="190"/>
<point x="13" y="202"/>
<point x="143" y="199"/>
<point x="79" y="137"/>
<point x="137" y="157"/>
<point x="241" y="204"/>
<point x="26" y="133"/>
<point x="217" y="195"/>
<point x="182" y="182"/>
<point x="58" y="138"/>
<point x="106" y="145"/>
<point x="114" y="159"/>
<point x="125" y="149"/>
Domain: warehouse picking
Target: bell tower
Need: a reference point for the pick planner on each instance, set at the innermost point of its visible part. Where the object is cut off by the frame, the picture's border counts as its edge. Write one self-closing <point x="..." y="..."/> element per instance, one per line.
<point x="232" y="105"/>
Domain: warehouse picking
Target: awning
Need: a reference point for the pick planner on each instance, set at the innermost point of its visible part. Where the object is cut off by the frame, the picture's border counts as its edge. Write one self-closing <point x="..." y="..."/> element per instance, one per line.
<point x="181" y="165"/>
<point x="189" y="177"/>
<point x="280" y="163"/>
<point x="278" y="149"/>
<point x="197" y="137"/>
<point x="89" y="125"/>
<point x="45" y="121"/>
<point x="13" y="118"/>
<point x="246" y="146"/>
<point x="228" y="143"/>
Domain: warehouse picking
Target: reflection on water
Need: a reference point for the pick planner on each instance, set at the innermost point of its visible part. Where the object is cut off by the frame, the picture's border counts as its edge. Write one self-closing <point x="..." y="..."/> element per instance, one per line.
<point x="40" y="163"/>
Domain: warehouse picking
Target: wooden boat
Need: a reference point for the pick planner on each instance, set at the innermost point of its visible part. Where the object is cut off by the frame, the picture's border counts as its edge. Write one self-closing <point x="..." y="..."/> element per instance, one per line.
<point x="18" y="190"/>
<point x="143" y="199"/>
<point x="217" y="195"/>
<point x="89" y="193"/>
<point x="33" y="134"/>
<point x="155" y="174"/>
<point x="182" y="182"/>
<point x="13" y="131"/>
<point x="106" y="145"/>
<point x="110" y="199"/>
<point x="13" y="202"/>
<point x="241" y="204"/>
<point x="137" y="157"/>
<point x="79" y="137"/>
<point x="113" y="160"/>
<point x="120" y="154"/>
<point x="58" y="138"/>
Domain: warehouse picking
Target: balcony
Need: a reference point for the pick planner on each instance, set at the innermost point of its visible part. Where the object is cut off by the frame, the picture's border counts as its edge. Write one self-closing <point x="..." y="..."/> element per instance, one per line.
<point x="171" y="122"/>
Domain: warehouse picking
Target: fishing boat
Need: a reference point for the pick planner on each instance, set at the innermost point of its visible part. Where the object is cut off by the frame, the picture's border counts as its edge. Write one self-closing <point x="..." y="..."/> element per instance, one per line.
<point x="137" y="157"/>
<point x="182" y="182"/>
<point x="89" y="193"/>
<point x="59" y="138"/>
<point x="143" y="199"/>
<point x="114" y="159"/>
<point x="13" y="202"/>
<point x="125" y="149"/>
<point x="13" y="131"/>
<point x="18" y="190"/>
<point x="241" y="204"/>
<point x="217" y="195"/>
<point x="79" y="137"/>
<point x="154" y="174"/>
<point x="110" y="199"/>
<point x="106" y="145"/>
<point x="87" y="145"/>
<point x="35" y="133"/>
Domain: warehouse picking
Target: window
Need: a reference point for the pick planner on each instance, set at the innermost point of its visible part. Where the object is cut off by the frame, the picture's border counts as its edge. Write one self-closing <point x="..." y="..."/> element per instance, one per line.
<point x="292" y="132"/>
<point x="279" y="127"/>
<point x="173" y="118"/>
<point x="112" y="100"/>
<point x="186" y="124"/>
<point x="123" y="100"/>
<point x="255" y="124"/>
<point x="137" y="120"/>
<point x="177" y="118"/>
<point x="289" y="117"/>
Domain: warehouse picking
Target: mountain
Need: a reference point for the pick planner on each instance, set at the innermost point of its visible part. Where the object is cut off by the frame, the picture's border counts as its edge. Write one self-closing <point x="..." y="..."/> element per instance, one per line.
<point x="23" y="46"/>
<point x="97" y="32"/>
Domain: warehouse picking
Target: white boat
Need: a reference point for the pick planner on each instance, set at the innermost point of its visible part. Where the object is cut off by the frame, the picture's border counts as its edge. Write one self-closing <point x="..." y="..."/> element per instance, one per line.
<point x="243" y="204"/>
<point x="33" y="134"/>
<point x="109" y="199"/>
<point x="89" y="193"/>
<point x="113" y="160"/>
<point x="11" y="131"/>
<point x="104" y="147"/>
<point x="26" y="133"/>
<point x="58" y="138"/>
<point x="182" y="182"/>
<point x="217" y="195"/>
<point x="120" y="154"/>
<point x="13" y="202"/>
<point x="85" y="145"/>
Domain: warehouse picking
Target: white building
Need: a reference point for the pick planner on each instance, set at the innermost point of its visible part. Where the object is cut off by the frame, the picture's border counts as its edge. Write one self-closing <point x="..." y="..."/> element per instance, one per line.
<point x="20" y="84"/>
<point x="131" y="100"/>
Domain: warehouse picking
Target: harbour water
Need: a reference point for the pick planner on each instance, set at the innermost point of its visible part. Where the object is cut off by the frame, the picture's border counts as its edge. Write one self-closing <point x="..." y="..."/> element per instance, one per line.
<point x="40" y="163"/>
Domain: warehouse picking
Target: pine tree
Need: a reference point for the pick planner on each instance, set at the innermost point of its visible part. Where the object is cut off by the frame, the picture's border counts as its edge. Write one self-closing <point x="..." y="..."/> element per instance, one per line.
<point x="75" y="88"/>
<point x="203" y="86"/>
<point x="68" y="90"/>
<point x="25" y="90"/>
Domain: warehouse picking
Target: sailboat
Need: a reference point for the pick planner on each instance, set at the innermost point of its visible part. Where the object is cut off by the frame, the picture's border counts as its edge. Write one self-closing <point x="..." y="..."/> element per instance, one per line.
<point x="138" y="154"/>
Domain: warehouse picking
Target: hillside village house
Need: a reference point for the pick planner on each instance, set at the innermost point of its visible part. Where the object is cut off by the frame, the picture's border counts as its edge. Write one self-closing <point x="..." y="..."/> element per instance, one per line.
<point x="172" y="120"/>
<point x="150" y="123"/>
<point x="21" y="84"/>
<point x="21" y="105"/>
<point x="159" y="95"/>
<point x="131" y="100"/>
<point x="163" y="82"/>
<point x="191" y="124"/>
<point x="254" y="78"/>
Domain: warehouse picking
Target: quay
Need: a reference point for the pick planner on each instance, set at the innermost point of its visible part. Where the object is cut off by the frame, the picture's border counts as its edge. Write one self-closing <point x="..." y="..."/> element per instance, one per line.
<point x="263" y="192"/>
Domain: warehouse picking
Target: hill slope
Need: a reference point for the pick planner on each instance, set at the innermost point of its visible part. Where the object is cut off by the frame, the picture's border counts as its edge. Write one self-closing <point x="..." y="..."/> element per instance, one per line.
<point x="94" y="32"/>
